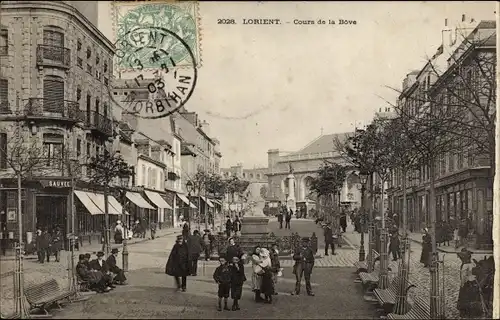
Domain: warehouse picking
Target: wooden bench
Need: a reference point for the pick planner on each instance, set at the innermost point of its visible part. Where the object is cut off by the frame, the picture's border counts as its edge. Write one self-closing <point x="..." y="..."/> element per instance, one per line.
<point x="362" y="266"/>
<point x="419" y="310"/>
<point x="43" y="295"/>
<point x="387" y="297"/>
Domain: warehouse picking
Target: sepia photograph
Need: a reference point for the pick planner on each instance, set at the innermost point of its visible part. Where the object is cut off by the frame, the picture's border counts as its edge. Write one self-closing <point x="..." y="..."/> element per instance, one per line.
<point x="170" y="159"/>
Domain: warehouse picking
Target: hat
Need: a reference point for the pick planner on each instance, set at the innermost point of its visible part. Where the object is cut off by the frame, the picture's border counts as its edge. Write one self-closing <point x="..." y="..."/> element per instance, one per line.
<point x="87" y="255"/>
<point x="114" y="250"/>
<point x="81" y="256"/>
<point x="179" y="237"/>
<point x="464" y="254"/>
<point x="100" y="254"/>
<point x="305" y="239"/>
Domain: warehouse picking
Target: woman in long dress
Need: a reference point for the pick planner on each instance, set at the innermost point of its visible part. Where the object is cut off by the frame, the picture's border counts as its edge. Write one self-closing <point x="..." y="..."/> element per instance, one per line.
<point x="178" y="263"/>
<point x="425" y="257"/>
<point x="469" y="297"/>
<point x="267" y="285"/>
<point x="257" y="272"/>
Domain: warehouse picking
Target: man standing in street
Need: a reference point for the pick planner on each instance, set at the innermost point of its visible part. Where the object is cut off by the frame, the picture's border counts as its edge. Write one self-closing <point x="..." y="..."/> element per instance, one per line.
<point x="280" y="215"/>
<point x="195" y="245"/>
<point x="288" y="217"/>
<point x="329" y="239"/>
<point x="229" y="226"/>
<point x="304" y="263"/>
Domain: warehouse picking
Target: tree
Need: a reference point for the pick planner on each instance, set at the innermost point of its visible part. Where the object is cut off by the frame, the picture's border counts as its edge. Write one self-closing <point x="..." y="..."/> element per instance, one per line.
<point x="105" y="169"/>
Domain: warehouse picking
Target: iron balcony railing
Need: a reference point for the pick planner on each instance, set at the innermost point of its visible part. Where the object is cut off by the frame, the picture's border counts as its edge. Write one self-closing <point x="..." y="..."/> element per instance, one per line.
<point x="53" y="55"/>
<point x="41" y="107"/>
<point x="99" y="122"/>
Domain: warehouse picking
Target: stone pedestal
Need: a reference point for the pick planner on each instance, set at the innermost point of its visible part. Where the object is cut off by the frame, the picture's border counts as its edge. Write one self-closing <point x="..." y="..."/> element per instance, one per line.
<point x="254" y="225"/>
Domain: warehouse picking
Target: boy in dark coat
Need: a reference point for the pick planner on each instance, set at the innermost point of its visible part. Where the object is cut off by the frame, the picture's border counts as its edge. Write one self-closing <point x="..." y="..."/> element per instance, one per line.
<point x="178" y="264"/>
<point x="237" y="279"/>
<point x="222" y="276"/>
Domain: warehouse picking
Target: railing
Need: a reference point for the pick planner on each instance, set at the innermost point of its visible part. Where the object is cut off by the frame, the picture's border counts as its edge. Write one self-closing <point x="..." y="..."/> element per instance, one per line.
<point x="4" y="108"/>
<point x="308" y="156"/>
<point x="53" y="55"/>
<point x="99" y="122"/>
<point x="40" y="107"/>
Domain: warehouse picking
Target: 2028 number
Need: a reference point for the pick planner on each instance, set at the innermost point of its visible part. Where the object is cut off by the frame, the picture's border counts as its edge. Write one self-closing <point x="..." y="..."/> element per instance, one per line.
<point x="226" y="21"/>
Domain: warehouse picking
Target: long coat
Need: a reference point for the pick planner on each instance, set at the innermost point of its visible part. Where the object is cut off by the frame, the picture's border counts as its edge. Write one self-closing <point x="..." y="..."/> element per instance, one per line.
<point x="425" y="257"/>
<point x="178" y="261"/>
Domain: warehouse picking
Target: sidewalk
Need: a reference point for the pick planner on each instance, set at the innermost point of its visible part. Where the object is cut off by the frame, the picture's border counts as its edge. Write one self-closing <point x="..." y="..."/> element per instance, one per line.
<point x="417" y="237"/>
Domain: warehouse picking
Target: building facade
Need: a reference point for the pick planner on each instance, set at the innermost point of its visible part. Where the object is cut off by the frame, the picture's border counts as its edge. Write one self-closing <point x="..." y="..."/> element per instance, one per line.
<point x="55" y="72"/>
<point x="462" y="176"/>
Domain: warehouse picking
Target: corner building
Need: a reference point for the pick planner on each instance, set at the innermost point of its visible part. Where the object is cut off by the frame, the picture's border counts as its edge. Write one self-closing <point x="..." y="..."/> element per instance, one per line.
<point x="55" y="68"/>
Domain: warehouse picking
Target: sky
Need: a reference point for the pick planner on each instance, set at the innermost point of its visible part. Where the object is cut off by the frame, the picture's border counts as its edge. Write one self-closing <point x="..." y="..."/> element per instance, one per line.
<point x="267" y="87"/>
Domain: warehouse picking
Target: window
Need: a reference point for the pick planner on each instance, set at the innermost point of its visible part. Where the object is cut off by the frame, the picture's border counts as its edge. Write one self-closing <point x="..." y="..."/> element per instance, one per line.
<point x="89" y="106"/>
<point x="78" y="45"/>
<point x="150" y="178"/>
<point x="89" y="52"/>
<point x="78" y="147"/>
<point x="4" y="95"/>
<point x="53" y="94"/>
<point x="162" y="180"/>
<point x="53" y="149"/>
<point x="97" y="60"/>
<point x="144" y="177"/>
<point x="97" y="105"/>
<point x="3" y="150"/>
<point x="4" y="42"/>
<point x="105" y="67"/>
<point x="79" y="62"/>
<point x="78" y="94"/>
<point x="154" y="177"/>
<point x="89" y="154"/>
<point x="53" y="46"/>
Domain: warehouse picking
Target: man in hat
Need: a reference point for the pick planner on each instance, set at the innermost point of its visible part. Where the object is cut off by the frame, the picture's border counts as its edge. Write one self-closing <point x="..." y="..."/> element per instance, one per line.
<point x="304" y="263"/>
<point x="100" y="265"/>
<point x="119" y="232"/>
<point x="111" y="262"/>
<point x="229" y="226"/>
<point x="328" y="233"/>
<point x="195" y="246"/>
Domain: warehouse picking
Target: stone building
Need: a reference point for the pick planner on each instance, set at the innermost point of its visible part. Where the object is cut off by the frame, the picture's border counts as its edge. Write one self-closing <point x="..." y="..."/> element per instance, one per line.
<point x="301" y="166"/>
<point x="55" y="72"/>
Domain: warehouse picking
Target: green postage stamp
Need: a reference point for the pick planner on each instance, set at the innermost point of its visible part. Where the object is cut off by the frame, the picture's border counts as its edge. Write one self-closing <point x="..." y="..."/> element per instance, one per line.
<point x="182" y="18"/>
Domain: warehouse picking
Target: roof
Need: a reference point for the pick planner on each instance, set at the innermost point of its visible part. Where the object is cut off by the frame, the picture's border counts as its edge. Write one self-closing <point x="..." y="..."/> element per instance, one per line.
<point x="324" y="143"/>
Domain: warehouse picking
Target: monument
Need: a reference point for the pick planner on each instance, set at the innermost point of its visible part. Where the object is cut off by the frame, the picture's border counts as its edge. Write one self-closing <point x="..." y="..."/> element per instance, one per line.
<point x="254" y="224"/>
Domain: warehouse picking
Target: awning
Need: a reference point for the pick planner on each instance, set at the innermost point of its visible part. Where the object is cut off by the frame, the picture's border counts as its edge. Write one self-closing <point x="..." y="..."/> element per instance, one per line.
<point x="138" y="200"/>
<point x="88" y="203"/>
<point x="186" y="200"/>
<point x="156" y="198"/>
<point x="116" y="204"/>
<point x="98" y="200"/>
<point x="216" y="201"/>
<point x="207" y="201"/>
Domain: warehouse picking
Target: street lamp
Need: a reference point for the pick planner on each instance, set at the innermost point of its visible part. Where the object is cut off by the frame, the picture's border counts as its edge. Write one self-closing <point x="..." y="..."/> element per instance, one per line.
<point x="189" y="188"/>
<point x="124" y="183"/>
<point x="363" y="177"/>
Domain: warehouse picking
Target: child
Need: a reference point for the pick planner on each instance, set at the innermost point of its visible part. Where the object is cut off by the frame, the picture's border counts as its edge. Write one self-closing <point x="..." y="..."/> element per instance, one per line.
<point x="222" y="276"/>
<point x="237" y="279"/>
<point x="267" y="287"/>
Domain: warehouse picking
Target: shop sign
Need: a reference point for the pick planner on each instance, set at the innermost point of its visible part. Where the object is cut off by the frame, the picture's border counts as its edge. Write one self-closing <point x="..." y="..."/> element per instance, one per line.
<point x="56" y="183"/>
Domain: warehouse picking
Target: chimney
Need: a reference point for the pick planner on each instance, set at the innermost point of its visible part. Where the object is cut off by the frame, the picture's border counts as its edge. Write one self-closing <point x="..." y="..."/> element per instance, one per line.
<point x="463" y="17"/>
<point x="445" y="22"/>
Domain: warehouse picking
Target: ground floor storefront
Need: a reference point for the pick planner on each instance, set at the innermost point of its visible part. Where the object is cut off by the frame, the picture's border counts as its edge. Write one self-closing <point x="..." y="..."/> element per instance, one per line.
<point x="467" y="196"/>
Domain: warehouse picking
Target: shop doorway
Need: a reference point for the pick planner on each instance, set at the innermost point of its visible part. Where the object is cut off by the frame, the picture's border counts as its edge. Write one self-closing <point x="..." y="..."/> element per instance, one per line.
<point x="51" y="212"/>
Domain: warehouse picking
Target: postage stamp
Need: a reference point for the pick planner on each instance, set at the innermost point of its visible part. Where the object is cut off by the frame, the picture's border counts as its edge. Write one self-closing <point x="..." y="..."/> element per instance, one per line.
<point x="182" y="18"/>
<point x="164" y="88"/>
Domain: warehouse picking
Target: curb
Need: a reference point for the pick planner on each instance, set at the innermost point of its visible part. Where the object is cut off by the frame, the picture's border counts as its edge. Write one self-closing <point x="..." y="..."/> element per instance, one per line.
<point x="454" y="251"/>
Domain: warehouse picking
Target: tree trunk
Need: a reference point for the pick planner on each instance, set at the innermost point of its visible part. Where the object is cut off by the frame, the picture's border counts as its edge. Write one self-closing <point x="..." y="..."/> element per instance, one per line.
<point x="434" y="268"/>
<point x="107" y="244"/>
<point x="371" y="234"/>
<point x="384" y="258"/>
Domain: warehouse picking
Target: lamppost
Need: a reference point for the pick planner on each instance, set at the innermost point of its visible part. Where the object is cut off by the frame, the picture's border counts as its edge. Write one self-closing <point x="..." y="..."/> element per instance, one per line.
<point x="124" y="183"/>
<point x="363" y="177"/>
<point x="189" y="188"/>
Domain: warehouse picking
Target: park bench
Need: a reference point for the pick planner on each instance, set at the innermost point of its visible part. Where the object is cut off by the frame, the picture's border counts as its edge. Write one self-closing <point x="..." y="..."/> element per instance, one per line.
<point x="42" y="296"/>
<point x="419" y="310"/>
<point x="362" y="266"/>
<point x="387" y="297"/>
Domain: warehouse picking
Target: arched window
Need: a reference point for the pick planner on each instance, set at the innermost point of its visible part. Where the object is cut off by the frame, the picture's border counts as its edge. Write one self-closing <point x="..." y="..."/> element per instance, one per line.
<point x="53" y="95"/>
<point x="53" y="44"/>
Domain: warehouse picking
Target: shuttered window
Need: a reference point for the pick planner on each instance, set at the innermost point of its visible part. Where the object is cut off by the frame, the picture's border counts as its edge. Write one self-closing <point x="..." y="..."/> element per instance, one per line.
<point x="53" y="45"/>
<point x="4" y="101"/>
<point x="53" y="149"/>
<point x="3" y="150"/>
<point x="53" y="95"/>
<point x="4" y="42"/>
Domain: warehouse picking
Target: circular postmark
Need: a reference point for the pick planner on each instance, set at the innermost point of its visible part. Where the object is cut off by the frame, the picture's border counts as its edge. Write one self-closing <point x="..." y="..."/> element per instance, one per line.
<point x="158" y="86"/>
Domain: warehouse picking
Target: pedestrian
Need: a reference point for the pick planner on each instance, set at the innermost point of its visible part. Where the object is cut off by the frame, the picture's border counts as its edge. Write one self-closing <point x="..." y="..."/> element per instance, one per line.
<point x="195" y="245"/>
<point x="119" y="232"/>
<point x="44" y="245"/>
<point x="178" y="263"/>
<point x="101" y="266"/>
<point x="94" y="278"/>
<point x="425" y="257"/>
<point x="207" y="244"/>
<point x="233" y="250"/>
<point x="280" y="215"/>
<point x="448" y="233"/>
<point x="222" y="276"/>
<point x="229" y="226"/>
<point x="343" y="221"/>
<point x="39" y="244"/>
<point x="288" y="217"/>
<point x="152" y="229"/>
<point x="185" y="230"/>
<point x="56" y="244"/>
<point x="304" y="263"/>
<point x="237" y="226"/>
<point x="267" y="285"/>
<point x="237" y="279"/>
<point x="329" y="243"/>
<point x="257" y="272"/>
<point x="275" y="264"/>
<point x="394" y="244"/>
<point x="469" y="302"/>
<point x="113" y="267"/>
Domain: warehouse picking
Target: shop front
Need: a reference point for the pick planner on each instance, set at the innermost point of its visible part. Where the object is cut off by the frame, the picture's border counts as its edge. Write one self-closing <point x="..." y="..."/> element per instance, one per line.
<point x="186" y="210"/>
<point x="162" y="208"/>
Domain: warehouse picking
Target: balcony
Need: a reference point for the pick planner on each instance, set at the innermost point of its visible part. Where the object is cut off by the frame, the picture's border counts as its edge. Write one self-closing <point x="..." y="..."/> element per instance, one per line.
<point x="99" y="123"/>
<point x="52" y="56"/>
<point x="41" y="108"/>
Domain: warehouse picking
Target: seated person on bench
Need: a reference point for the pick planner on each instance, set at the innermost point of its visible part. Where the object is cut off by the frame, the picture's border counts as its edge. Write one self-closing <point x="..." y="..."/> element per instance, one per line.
<point x="95" y="279"/>
<point x="100" y="265"/>
<point x="111" y="262"/>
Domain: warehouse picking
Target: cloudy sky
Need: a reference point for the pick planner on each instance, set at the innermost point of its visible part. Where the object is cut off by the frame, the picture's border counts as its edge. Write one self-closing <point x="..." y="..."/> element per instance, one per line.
<point x="275" y="86"/>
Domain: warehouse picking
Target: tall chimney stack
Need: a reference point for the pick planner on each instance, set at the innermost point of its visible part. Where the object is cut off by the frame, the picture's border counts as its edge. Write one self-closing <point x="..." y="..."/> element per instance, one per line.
<point x="445" y="22"/>
<point x="463" y="17"/>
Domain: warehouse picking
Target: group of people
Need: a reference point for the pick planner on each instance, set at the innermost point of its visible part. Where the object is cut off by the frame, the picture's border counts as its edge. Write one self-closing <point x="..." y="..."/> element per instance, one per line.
<point x="100" y="275"/>
<point x="49" y="244"/>
<point x="233" y="227"/>
<point x="138" y="230"/>
<point x="284" y="214"/>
